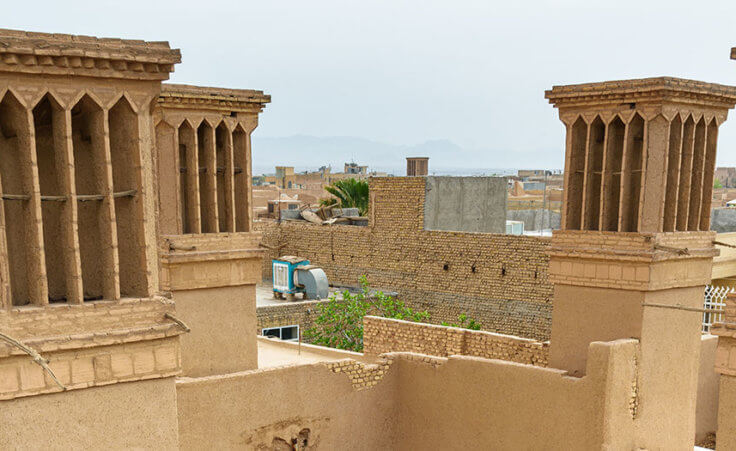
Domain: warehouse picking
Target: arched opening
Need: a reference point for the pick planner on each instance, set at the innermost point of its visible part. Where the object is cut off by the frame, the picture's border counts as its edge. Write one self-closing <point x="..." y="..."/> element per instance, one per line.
<point x="632" y="175"/>
<point x="241" y="165"/>
<point x="127" y="181"/>
<point x="207" y="177"/>
<point x="224" y="156"/>
<point x="189" y="179"/>
<point x="612" y="175"/>
<point x="57" y="210"/>
<point x="686" y="167"/>
<point x="576" y="175"/>
<point x="19" y="216"/>
<point x="168" y="179"/>
<point x="96" y="212"/>
<point x="696" y="183"/>
<point x="709" y="173"/>
<point x="673" y="174"/>
<point x="593" y="174"/>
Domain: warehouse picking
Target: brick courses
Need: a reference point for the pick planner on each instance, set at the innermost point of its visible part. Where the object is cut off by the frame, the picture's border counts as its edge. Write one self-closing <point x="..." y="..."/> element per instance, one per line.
<point x="94" y="366"/>
<point x="382" y="335"/>
<point x="500" y="280"/>
<point x="301" y="313"/>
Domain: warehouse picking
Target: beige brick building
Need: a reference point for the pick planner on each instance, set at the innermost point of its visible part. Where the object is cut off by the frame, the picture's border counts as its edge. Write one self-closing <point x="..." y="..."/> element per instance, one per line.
<point x="79" y="272"/>
<point x="119" y="198"/>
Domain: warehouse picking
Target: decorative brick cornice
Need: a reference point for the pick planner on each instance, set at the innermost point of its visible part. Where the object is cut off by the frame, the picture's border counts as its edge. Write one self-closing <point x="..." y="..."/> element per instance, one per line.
<point x="91" y="367"/>
<point x="210" y="260"/>
<point x="632" y="246"/>
<point x="96" y="323"/>
<point x="221" y="99"/>
<point x="659" y="89"/>
<point x="63" y="54"/>
<point x="629" y="260"/>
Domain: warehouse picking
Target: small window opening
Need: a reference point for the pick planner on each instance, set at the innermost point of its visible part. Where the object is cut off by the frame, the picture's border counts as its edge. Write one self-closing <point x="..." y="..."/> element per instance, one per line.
<point x="286" y="333"/>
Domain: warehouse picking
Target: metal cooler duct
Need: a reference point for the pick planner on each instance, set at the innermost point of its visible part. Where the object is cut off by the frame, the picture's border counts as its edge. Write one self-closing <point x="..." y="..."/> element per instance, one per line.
<point x="314" y="281"/>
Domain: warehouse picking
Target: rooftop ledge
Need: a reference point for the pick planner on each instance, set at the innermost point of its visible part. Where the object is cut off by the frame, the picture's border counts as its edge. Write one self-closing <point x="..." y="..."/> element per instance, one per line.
<point x="211" y="93"/>
<point x="218" y="99"/>
<point x="65" y="54"/>
<point x="655" y="89"/>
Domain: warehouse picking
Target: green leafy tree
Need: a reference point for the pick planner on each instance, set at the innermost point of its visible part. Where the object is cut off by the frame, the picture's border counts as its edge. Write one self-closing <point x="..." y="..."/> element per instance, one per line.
<point x="464" y="323"/>
<point x="717" y="184"/>
<point x="339" y="323"/>
<point x="349" y="193"/>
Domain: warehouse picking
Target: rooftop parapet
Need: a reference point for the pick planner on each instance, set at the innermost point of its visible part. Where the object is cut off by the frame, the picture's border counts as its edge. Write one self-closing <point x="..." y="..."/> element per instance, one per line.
<point x="657" y="90"/>
<point x="640" y="154"/>
<point x="200" y="97"/>
<point x="64" y="54"/>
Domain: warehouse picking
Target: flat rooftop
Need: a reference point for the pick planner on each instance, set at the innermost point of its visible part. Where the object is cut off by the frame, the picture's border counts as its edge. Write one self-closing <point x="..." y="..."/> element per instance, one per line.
<point x="273" y="352"/>
<point x="264" y="295"/>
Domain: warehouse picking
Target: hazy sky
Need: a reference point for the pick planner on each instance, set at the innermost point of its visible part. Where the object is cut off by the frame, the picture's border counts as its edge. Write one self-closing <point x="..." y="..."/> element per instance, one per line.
<point x="403" y="72"/>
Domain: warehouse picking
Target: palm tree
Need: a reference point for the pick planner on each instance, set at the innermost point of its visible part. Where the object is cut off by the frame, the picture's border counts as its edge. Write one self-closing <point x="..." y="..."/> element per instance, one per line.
<point x="349" y="193"/>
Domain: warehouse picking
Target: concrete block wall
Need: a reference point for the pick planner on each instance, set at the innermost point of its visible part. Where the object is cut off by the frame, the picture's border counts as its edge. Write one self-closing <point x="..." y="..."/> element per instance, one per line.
<point x="498" y="278"/>
<point x="466" y="204"/>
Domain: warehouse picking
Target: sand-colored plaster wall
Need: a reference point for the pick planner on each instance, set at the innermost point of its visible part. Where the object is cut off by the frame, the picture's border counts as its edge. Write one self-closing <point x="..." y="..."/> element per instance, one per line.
<point x="574" y="308"/>
<point x="669" y="363"/>
<point x="472" y="403"/>
<point x="249" y="410"/>
<point x="132" y="415"/>
<point x="726" y="437"/>
<point x="292" y="348"/>
<point x="706" y="413"/>
<point x="409" y="401"/>
<point x="222" y="321"/>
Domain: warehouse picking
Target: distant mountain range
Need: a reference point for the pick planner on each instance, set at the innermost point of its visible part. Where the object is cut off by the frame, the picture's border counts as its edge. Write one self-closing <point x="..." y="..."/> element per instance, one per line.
<point x="445" y="157"/>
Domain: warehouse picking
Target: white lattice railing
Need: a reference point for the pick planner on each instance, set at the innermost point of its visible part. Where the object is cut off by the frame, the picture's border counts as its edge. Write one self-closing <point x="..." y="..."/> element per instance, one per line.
<point x="714" y="299"/>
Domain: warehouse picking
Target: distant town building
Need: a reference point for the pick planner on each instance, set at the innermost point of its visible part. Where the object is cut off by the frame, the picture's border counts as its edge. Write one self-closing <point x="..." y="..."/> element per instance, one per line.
<point x="524" y="173"/>
<point x="284" y="203"/>
<point x="354" y="168"/>
<point x="417" y="166"/>
<point x="286" y="178"/>
<point x="727" y="177"/>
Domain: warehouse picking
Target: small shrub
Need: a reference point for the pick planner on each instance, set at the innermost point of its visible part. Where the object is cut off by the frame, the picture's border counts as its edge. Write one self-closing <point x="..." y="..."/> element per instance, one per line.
<point x="464" y="323"/>
<point x="339" y="323"/>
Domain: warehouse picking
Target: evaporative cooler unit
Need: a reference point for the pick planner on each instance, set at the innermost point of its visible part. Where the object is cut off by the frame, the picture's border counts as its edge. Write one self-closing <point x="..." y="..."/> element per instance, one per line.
<point x="293" y="275"/>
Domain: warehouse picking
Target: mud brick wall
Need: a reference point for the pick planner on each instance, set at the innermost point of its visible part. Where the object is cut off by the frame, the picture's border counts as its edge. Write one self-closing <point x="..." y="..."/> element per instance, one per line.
<point x="89" y="367"/>
<point x="287" y="314"/>
<point x="362" y="375"/>
<point x="383" y="335"/>
<point x="500" y="280"/>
